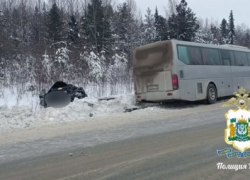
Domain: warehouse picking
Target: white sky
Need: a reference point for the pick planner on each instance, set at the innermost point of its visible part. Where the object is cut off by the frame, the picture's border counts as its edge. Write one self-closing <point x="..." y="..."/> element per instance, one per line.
<point x="213" y="10"/>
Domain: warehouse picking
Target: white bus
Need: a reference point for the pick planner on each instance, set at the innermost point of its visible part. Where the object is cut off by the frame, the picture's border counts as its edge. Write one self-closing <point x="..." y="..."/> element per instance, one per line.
<point x="179" y="70"/>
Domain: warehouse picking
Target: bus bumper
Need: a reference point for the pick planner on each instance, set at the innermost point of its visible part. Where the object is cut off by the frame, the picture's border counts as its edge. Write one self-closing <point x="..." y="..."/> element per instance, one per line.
<point x="158" y="96"/>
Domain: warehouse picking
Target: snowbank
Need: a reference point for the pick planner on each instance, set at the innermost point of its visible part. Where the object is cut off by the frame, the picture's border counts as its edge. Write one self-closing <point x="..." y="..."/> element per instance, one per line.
<point x="13" y="117"/>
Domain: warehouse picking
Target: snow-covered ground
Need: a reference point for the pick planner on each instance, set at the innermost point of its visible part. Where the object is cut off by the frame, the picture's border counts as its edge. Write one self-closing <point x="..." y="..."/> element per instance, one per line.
<point x="89" y="115"/>
<point x="26" y="113"/>
<point x="12" y="97"/>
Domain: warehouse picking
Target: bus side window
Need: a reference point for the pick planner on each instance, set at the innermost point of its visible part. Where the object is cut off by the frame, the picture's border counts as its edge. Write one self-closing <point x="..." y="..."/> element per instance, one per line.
<point x="211" y="56"/>
<point x="248" y="55"/>
<point x="226" y="57"/>
<point x="195" y="55"/>
<point x="232" y="58"/>
<point x="240" y="58"/>
<point x="183" y="54"/>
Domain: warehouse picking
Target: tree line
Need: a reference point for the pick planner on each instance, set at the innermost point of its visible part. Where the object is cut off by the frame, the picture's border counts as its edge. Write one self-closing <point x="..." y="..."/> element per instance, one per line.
<point x="92" y="41"/>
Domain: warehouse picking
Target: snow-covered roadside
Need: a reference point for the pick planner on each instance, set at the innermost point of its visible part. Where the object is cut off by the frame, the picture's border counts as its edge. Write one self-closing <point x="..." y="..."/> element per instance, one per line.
<point x="28" y="121"/>
<point x="114" y="121"/>
<point x="19" y="124"/>
<point x="23" y="117"/>
<point x="85" y="110"/>
<point x="12" y="97"/>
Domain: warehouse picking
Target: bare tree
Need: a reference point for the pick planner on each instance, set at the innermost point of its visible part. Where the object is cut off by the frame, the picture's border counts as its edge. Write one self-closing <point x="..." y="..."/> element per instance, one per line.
<point x="132" y="6"/>
<point x="7" y="4"/>
<point x="171" y="8"/>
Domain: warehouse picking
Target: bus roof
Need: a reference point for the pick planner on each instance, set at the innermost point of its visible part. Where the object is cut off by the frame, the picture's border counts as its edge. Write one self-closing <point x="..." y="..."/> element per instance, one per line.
<point x="152" y="45"/>
<point x="225" y="46"/>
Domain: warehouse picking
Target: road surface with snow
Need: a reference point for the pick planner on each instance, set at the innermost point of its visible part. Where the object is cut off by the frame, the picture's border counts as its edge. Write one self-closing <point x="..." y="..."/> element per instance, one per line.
<point x="172" y="142"/>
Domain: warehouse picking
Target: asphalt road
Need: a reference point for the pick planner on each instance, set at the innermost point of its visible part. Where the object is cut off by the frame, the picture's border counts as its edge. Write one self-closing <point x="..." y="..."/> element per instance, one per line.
<point x="188" y="152"/>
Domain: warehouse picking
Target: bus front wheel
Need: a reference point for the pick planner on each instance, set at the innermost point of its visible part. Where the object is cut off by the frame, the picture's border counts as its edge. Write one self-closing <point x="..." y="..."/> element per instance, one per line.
<point x="211" y="94"/>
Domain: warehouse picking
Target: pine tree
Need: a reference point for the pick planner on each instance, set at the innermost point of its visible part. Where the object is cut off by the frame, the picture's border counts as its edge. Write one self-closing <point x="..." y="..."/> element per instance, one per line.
<point x="73" y="32"/>
<point x="97" y="32"/>
<point x="94" y="18"/>
<point x="160" y="27"/>
<point x="107" y="32"/>
<point x="16" y="29"/>
<point x="84" y="32"/>
<point x="2" y="33"/>
<point x="55" y="24"/>
<point x="231" y="33"/>
<point x="247" y="39"/>
<point x="157" y="37"/>
<point x="183" y="25"/>
<point x="127" y="31"/>
<point x="124" y="27"/>
<point x="148" y="28"/>
<point x="124" y="17"/>
<point x="224" y="32"/>
<point x="36" y="26"/>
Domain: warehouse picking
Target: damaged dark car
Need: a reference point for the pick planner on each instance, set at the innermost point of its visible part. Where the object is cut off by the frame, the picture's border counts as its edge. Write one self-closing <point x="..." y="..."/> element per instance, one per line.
<point x="61" y="94"/>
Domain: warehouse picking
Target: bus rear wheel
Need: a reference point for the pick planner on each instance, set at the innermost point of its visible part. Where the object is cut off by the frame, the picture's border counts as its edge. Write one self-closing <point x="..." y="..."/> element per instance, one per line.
<point x="211" y="94"/>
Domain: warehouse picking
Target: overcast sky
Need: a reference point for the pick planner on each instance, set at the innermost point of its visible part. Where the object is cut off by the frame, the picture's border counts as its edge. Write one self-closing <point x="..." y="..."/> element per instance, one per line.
<point x="214" y="10"/>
